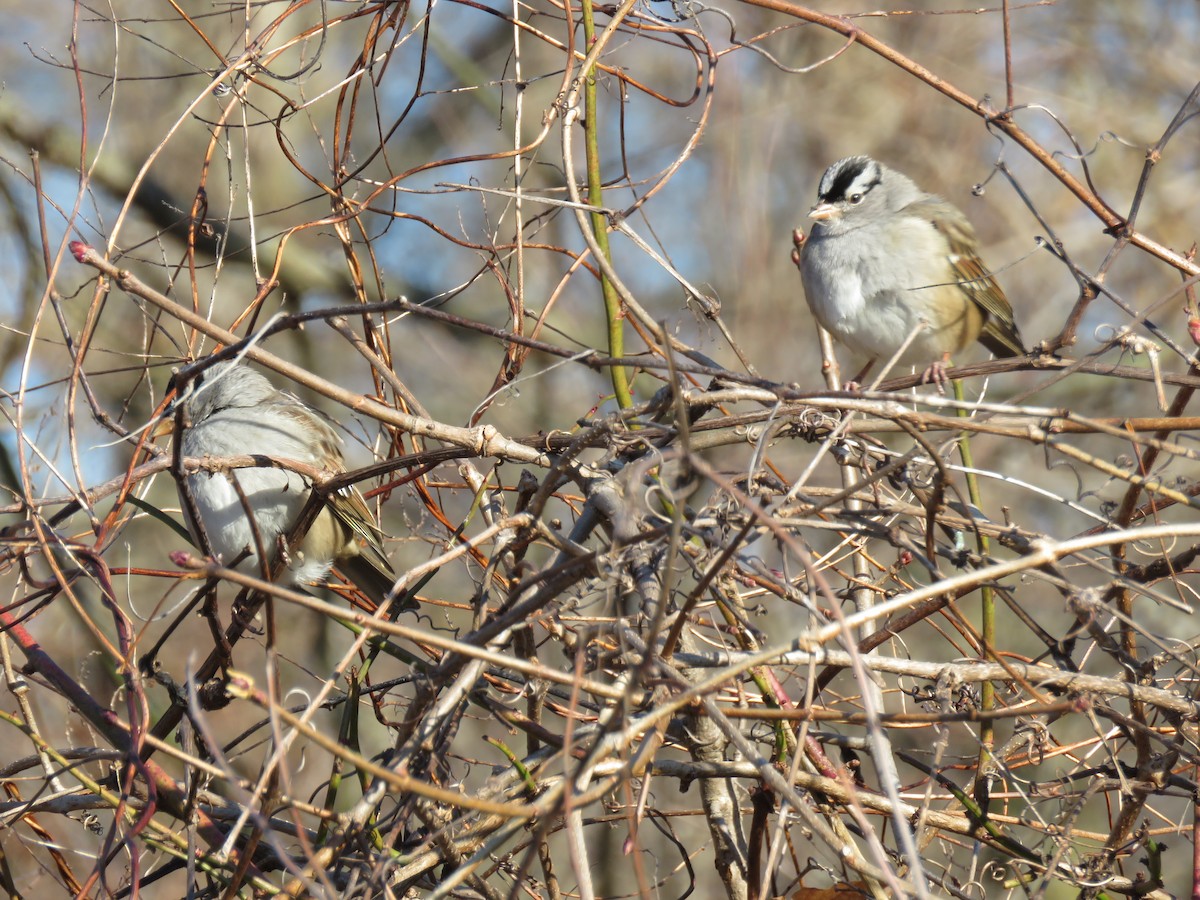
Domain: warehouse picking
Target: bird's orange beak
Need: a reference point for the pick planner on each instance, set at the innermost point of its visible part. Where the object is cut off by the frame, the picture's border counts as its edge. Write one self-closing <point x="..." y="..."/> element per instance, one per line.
<point x="822" y="211"/>
<point x="164" y="428"/>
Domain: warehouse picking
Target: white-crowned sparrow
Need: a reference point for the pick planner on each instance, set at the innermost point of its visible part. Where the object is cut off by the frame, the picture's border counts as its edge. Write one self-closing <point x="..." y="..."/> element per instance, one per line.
<point x="230" y="410"/>
<point x="884" y="257"/>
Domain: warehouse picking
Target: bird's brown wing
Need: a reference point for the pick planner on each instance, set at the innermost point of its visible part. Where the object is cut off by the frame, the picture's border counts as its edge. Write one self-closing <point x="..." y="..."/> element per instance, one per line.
<point x="365" y="562"/>
<point x="999" y="332"/>
<point x="369" y="568"/>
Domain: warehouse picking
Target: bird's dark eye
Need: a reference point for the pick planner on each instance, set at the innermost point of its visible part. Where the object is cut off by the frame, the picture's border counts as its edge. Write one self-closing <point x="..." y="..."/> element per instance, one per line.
<point x="856" y="199"/>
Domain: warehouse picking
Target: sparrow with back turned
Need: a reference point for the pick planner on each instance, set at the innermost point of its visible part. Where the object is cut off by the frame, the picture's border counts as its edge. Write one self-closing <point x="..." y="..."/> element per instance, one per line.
<point x="231" y="410"/>
<point x="885" y="259"/>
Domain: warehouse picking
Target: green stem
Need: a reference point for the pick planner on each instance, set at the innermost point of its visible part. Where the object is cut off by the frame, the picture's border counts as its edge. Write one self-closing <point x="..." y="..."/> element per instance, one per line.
<point x="987" y="624"/>
<point x="612" y="303"/>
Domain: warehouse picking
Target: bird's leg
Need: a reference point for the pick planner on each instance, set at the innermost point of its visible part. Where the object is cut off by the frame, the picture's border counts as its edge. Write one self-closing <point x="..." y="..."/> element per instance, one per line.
<point x="284" y="555"/>
<point x="855" y="383"/>
<point x="936" y="373"/>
